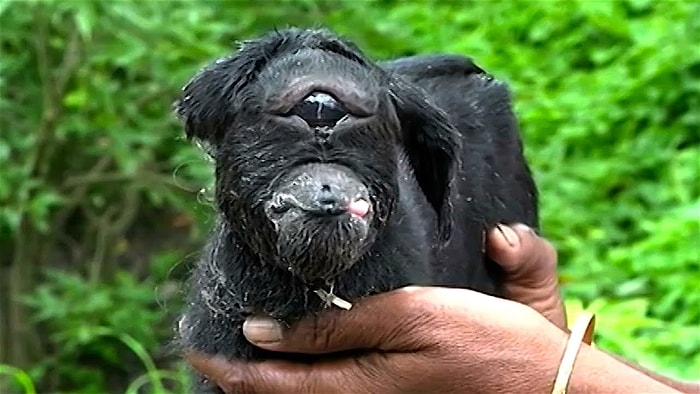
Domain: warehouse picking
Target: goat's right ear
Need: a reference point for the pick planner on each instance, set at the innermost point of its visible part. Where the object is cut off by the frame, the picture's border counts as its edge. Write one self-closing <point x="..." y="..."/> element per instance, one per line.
<point x="211" y="100"/>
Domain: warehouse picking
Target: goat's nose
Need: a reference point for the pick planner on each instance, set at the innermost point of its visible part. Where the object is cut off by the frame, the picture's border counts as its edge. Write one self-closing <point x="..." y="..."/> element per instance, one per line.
<point x="320" y="110"/>
<point x="331" y="201"/>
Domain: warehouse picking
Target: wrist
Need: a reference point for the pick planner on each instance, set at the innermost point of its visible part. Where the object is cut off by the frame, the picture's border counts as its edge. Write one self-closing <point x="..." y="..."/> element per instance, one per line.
<point x="535" y="358"/>
<point x="597" y="372"/>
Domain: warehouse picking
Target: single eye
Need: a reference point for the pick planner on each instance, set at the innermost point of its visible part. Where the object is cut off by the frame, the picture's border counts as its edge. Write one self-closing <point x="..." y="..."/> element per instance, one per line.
<point x="319" y="110"/>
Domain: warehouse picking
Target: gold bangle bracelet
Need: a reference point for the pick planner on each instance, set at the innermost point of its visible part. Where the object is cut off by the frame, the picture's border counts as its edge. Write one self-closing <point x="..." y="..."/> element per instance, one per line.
<point x="582" y="332"/>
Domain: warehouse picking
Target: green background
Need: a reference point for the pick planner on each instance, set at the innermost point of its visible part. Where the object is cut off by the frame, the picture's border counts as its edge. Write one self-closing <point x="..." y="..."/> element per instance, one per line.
<point x="103" y="204"/>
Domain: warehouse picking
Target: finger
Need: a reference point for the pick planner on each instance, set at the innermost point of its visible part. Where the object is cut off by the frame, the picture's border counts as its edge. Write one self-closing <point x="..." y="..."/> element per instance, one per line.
<point x="394" y="321"/>
<point x="530" y="264"/>
<point x="276" y="376"/>
<point x="521" y="252"/>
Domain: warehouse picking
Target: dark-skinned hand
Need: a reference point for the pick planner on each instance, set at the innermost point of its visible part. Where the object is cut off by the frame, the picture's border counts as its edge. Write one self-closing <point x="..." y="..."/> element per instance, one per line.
<point x="435" y="339"/>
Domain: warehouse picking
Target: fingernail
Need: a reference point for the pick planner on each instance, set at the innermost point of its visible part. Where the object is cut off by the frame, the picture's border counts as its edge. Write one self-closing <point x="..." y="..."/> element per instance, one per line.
<point x="524" y="227"/>
<point x="262" y="330"/>
<point x="510" y="236"/>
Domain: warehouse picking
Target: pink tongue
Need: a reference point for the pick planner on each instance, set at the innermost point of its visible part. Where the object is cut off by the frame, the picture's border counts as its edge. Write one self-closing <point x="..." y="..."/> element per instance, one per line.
<point x="358" y="208"/>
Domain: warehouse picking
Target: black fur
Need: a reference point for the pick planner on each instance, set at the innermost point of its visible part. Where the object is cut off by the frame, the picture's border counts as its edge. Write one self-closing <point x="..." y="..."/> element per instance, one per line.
<point x="433" y="139"/>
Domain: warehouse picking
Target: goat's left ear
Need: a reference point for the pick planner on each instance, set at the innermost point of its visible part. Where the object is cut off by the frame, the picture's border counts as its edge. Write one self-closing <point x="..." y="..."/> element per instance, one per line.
<point x="432" y="145"/>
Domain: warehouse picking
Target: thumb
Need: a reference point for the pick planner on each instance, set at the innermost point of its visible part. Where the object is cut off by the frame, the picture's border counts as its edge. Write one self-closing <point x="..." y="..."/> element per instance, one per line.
<point x="527" y="259"/>
<point x="388" y="322"/>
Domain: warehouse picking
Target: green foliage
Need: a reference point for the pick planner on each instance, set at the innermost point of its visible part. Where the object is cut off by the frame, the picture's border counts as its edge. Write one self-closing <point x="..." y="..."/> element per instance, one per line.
<point x="21" y="377"/>
<point x="608" y="94"/>
<point x="99" y="323"/>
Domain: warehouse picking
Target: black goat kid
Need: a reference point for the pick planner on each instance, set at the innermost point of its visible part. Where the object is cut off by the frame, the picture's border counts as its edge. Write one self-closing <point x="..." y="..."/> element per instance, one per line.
<point x="337" y="174"/>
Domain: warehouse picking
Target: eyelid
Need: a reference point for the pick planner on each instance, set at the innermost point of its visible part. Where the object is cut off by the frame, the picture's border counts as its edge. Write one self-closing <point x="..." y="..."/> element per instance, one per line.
<point x="319" y="109"/>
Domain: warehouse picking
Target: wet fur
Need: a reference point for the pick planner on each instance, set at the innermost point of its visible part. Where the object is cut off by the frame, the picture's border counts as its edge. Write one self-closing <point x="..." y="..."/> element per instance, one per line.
<point x="445" y="165"/>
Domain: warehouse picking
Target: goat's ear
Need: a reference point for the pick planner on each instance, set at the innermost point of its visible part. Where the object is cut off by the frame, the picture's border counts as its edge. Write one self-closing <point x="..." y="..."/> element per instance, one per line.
<point x="204" y="106"/>
<point x="211" y="100"/>
<point x="433" y="148"/>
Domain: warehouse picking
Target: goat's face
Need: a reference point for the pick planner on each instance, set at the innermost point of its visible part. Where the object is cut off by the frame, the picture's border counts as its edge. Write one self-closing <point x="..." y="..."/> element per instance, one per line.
<point x="310" y="162"/>
<point x="306" y="134"/>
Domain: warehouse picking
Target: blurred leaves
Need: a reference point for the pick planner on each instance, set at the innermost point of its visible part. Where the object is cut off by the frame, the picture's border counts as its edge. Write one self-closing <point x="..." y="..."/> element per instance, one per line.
<point x="80" y="317"/>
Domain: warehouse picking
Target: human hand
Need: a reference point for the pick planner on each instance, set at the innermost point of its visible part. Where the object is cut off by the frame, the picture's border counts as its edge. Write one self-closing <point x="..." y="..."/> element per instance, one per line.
<point x="414" y="340"/>
<point x="438" y="340"/>
<point x="530" y="265"/>
<point x="421" y="336"/>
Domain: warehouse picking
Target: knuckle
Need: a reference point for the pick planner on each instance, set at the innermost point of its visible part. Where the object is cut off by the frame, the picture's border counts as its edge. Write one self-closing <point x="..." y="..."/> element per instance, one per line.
<point x="308" y="383"/>
<point x="377" y="373"/>
<point x="323" y="330"/>
<point x="414" y="302"/>
<point x="238" y="381"/>
<point x="232" y="382"/>
<point x="419" y="313"/>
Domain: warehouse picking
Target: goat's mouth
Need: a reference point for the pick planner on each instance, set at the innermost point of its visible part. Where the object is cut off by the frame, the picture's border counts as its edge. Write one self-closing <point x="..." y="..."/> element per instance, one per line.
<point x="322" y="218"/>
<point x="321" y="190"/>
<point x="330" y="207"/>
